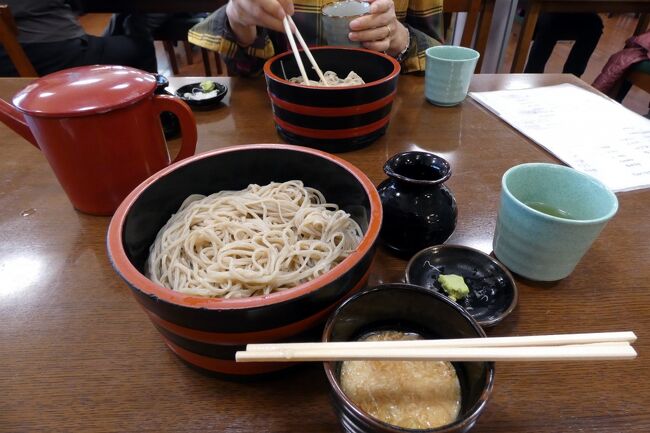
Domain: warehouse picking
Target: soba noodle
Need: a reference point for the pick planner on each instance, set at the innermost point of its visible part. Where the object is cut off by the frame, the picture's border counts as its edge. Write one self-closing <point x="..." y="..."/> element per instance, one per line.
<point x="333" y="80"/>
<point x="262" y="239"/>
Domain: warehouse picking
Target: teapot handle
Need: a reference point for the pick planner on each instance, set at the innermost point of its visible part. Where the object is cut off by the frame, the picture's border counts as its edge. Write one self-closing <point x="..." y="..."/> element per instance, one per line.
<point x="186" y="119"/>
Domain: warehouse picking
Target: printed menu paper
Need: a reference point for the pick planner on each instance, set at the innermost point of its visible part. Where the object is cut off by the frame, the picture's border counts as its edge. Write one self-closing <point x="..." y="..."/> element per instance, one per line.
<point x="585" y="130"/>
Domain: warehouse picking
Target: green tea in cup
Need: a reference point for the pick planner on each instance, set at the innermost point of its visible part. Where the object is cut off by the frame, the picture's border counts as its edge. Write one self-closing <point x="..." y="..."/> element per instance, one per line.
<point x="548" y="218"/>
<point x="548" y="209"/>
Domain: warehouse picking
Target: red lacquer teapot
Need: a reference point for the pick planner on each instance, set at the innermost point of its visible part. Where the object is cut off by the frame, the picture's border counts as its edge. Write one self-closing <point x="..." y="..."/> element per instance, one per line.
<point x="99" y="128"/>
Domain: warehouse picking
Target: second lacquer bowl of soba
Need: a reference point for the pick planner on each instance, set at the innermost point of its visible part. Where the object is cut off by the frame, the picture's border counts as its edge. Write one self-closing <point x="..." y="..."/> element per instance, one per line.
<point x="216" y="262"/>
<point x="405" y="396"/>
<point x="335" y="118"/>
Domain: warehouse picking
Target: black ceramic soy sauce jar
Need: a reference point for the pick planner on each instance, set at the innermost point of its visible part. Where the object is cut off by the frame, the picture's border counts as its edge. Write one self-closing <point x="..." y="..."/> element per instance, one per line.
<point x="419" y="210"/>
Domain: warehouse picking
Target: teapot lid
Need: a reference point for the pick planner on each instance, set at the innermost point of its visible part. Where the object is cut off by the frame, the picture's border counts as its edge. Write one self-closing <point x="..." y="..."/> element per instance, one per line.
<point x="85" y="90"/>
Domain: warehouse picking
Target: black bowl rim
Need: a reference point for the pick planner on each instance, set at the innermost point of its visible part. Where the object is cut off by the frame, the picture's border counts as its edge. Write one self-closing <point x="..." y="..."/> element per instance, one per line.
<point x="395" y="72"/>
<point x="435" y="249"/>
<point x="222" y="90"/>
<point x="141" y="283"/>
<point x="388" y="169"/>
<point x="471" y="415"/>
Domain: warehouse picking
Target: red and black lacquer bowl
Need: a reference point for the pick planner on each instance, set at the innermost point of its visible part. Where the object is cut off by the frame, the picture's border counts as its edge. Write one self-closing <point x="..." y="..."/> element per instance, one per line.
<point x="335" y="119"/>
<point x="206" y="332"/>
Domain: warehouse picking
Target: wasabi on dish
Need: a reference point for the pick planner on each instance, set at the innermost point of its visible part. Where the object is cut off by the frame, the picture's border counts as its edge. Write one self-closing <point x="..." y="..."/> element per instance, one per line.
<point x="454" y="285"/>
<point x="207" y="86"/>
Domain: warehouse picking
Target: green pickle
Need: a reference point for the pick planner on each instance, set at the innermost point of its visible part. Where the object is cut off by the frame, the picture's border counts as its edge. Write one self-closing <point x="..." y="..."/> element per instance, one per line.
<point x="454" y="285"/>
<point x="207" y="86"/>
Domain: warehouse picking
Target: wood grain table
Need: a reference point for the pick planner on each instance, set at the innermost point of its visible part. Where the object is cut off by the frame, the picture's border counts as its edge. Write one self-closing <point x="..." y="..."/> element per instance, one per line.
<point x="78" y="354"/>
<point x="535" y="7"/>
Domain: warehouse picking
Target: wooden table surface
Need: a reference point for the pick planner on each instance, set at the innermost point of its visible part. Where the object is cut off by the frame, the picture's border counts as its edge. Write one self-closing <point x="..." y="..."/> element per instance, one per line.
<point x="535" y="7"/>
<point x="79" y="355"/>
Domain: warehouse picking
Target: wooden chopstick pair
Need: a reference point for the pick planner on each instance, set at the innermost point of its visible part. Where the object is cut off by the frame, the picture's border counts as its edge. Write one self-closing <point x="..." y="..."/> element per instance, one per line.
<point x="288" y="23"/>
<point x="566" y="347"/>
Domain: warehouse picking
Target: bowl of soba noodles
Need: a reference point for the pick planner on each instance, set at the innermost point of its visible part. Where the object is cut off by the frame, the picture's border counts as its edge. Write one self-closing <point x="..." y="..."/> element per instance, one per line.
<point x="349" y="110"/>
<point x="246" y="244"/>
<point x="399" y="396"/>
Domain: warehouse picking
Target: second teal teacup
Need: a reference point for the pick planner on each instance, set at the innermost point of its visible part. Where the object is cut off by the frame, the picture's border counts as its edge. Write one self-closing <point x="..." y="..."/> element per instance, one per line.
<point x="548" y="218"/>
<point x="448" y="73"/>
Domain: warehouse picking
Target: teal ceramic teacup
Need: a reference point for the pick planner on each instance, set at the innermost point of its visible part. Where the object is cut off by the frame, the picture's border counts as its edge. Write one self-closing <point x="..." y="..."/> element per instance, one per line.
<point x="448" y="73"/>
<point x="336" y="18"/>
<point x="548" y="218"/>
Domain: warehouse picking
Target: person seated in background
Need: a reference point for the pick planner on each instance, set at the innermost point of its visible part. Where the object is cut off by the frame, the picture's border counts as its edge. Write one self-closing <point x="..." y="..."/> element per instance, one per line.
<point x="248" y="32"/>
<point x="53" y="39"/>
<point x="128" y="24"/>
<point x="583" y="28"/>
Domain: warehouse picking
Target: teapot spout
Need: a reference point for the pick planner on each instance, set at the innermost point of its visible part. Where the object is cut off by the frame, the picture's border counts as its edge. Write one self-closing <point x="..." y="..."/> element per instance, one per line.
<point x="15" y="120"/>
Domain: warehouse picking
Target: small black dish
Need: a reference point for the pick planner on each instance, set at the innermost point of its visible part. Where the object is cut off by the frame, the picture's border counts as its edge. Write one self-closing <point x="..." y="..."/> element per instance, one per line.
<point x="202" y="104"/>
<point x="493" y="292"/>
<point x="161" y="83"/>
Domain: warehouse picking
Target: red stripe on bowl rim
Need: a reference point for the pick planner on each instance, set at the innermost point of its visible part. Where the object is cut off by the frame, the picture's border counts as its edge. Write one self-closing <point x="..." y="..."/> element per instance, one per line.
<point x="352" y="110"/>
<point x="264" y="336"/>
<point x="227" y="367"/>
<point x="396" y="69"/>
<point x="333" y="134"/>
<point x="125" y="268"/>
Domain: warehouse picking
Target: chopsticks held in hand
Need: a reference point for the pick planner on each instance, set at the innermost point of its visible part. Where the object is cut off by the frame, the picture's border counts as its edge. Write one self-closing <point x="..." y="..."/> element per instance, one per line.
<point x="288" y="23"/>
<point x="562" y="347"/>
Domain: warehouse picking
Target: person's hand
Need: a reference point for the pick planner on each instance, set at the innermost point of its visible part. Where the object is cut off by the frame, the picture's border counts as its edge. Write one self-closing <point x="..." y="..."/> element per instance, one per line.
<point x="380" y="30"/>
<point x="245" y="15"/>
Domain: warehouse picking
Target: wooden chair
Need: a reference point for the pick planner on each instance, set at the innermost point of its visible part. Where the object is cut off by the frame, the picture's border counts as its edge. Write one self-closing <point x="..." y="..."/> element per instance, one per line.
<point x="643" y="24"/>
<point x="9" y="40"/>
<point x="479" y="18"/>
<point x="639" y="74"/>
<point x="174" y="31"/>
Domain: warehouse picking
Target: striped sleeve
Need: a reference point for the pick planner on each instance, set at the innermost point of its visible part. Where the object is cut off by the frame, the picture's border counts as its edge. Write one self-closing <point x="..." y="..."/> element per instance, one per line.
<point x="422" y="18"/>
<point x="424" y="21"/>
<point x="214" y="33"/>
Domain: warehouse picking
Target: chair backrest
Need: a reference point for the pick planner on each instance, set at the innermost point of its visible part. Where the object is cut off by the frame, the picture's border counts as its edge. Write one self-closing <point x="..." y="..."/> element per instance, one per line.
<point x="472" y="7"/>
<point x="642" y="25"/>
<point x="9" y="40"/>
<point x="640" y="76"/>
<point x="479" y="18"/>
